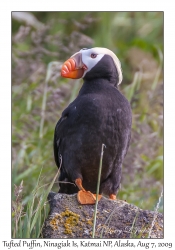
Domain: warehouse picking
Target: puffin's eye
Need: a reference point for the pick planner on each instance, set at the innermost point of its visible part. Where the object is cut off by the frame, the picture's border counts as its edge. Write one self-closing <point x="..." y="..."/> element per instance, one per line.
<point x="93" y="55"/>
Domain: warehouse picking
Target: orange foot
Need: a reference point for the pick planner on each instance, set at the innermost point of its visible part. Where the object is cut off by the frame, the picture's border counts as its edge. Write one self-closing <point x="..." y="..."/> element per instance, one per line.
<point x="112" y="197"/>
<point x="85" y="197"/>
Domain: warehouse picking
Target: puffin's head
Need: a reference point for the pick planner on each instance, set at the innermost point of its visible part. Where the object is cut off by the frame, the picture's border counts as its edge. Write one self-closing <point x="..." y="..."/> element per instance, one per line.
<point x="93" y="63"/>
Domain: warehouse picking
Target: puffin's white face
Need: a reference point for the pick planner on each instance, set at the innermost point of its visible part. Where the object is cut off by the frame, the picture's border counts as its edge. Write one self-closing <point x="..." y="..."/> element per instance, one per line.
<point x="83" y="61"/>
<point x="90" y="57"/>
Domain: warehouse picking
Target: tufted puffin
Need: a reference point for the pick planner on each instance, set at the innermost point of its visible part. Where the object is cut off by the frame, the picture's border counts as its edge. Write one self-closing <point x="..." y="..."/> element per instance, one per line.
<point x="100" y="114"/>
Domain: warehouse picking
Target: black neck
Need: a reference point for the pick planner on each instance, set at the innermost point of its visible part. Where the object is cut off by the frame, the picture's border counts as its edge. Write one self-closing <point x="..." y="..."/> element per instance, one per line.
<point x="106" y="70"/>
<point x="96" y="86"/>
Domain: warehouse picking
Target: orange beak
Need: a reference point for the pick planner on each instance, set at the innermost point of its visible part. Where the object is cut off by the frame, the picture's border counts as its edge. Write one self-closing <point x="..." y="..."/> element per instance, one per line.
<point x="73" y="67"/>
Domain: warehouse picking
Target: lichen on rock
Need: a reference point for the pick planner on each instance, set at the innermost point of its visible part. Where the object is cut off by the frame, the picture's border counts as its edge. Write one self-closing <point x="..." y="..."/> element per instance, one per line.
<point x="115" y="219"/>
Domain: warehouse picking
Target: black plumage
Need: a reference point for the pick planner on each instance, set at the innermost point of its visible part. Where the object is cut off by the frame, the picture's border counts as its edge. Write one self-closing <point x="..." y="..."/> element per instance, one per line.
<point x="99" y="115"/>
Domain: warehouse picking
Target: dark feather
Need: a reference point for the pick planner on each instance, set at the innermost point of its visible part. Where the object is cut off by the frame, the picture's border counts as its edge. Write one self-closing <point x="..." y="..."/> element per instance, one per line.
<point x="99" y="114"/>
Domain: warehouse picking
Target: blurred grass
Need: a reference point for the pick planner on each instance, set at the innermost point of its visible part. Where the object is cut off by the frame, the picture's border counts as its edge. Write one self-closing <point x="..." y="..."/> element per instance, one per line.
<point x="29" y="224"/>
<point x="39" y="99"/>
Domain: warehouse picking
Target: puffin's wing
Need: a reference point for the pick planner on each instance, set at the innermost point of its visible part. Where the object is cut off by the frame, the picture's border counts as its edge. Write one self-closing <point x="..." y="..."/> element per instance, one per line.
<point x="128" y="143"/>
<point x="59" y="130"/>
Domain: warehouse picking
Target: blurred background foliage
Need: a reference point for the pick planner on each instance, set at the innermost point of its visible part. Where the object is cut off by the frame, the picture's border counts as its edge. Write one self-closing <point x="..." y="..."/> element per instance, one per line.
<point x="41" y="41"/>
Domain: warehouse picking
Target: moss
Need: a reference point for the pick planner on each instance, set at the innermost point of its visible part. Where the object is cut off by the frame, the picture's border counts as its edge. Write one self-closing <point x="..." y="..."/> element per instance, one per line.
<point x="90" y="222"/>
<point x="71" y="220"/>
<point x="68" y="218"/>
<point x="55" y="221"/>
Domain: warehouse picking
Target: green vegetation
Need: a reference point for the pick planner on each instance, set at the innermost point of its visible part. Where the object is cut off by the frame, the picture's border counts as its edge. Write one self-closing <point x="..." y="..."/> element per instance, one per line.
<point x="39" y="96"/>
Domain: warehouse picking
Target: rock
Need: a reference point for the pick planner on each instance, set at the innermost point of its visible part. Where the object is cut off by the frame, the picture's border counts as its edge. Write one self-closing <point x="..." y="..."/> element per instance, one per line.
<point x="115" y="219"/>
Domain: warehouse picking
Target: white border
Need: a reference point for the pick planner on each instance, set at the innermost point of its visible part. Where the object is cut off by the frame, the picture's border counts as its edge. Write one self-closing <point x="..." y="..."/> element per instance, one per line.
<point x="5" y="92"/>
